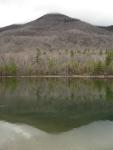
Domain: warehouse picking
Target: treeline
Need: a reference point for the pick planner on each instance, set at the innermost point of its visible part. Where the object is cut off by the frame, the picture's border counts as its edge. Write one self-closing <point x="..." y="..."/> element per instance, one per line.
<point x="66" y="62"/>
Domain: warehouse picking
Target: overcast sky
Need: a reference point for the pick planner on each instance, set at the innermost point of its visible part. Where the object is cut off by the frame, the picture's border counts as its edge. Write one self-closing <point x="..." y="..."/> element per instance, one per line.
<point x="98" y="12"/>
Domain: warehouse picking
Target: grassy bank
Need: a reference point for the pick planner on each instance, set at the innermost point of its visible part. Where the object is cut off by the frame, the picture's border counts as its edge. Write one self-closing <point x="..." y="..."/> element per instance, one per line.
<point x="61" y="63"/>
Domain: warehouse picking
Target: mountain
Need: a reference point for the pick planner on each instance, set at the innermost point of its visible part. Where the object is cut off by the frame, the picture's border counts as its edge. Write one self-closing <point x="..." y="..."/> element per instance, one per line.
<point x="55" y="32"/>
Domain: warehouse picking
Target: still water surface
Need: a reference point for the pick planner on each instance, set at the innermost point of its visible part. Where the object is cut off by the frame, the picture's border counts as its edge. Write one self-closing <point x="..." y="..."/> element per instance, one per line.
<point x="56" y="114"/>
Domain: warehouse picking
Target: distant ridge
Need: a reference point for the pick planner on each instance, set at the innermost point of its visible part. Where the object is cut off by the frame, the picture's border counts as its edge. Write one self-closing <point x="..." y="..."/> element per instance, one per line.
<point x="109" y="28"/>
<point x="10" y="27"/>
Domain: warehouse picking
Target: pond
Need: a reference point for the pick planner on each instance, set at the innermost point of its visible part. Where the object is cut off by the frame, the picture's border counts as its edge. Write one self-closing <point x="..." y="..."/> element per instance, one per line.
<point x="56" y="114"/>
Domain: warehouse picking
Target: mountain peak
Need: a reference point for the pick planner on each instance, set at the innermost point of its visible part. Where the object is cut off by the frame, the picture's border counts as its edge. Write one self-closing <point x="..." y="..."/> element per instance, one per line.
<point x="57" y="17"/>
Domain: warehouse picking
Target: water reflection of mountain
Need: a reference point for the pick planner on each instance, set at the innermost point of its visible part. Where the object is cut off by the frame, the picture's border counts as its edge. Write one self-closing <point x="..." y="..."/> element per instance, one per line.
<point x="63" y="102"/>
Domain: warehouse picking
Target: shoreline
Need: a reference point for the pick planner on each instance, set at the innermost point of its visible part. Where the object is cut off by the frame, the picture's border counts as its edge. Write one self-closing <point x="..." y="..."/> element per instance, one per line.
<point x="62" y="76"/>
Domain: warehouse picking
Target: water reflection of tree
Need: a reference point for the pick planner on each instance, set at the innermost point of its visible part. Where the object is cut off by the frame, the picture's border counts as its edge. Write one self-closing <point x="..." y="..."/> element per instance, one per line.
<point x="72" y="95"/>
<point x="56" y="95"/>
<point x="109" y="92"/>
